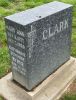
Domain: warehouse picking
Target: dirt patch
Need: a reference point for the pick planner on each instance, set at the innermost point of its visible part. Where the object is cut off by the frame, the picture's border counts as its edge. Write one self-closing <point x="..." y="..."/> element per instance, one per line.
<point x="72" y="88"/>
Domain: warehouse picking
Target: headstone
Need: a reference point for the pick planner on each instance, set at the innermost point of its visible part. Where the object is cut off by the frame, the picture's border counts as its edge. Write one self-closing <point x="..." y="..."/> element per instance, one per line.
<point x="39" y="41"/>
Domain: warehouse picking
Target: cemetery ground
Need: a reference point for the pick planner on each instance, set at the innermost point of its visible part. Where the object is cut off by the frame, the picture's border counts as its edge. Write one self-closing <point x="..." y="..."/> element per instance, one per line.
<point x="8" y="7"/>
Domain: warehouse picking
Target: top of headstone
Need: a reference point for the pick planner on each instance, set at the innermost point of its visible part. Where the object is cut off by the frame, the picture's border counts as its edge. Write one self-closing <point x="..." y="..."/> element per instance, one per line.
<point x="34" y="14"/>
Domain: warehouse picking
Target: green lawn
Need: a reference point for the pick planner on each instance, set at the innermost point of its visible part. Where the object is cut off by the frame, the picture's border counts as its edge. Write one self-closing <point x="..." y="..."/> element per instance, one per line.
<point x="68" y="96"/>
<point x="8" y="7"/>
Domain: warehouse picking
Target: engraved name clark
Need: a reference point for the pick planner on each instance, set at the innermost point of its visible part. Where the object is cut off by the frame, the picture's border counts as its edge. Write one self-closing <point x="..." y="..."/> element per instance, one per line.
<point x="46" y="34"/>
<point x="51" y="31"/>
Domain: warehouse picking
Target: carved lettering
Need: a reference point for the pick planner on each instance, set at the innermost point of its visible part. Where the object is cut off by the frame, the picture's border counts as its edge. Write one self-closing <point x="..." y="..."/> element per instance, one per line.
<point x="51" y="31"/>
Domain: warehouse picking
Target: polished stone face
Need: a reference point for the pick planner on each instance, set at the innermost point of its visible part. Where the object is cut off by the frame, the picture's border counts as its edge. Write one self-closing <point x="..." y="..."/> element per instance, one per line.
<point x="38" y="48"/>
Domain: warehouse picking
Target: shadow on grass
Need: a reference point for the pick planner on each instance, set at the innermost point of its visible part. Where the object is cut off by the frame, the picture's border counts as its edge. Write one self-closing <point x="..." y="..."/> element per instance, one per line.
<point x="2" y="98"/>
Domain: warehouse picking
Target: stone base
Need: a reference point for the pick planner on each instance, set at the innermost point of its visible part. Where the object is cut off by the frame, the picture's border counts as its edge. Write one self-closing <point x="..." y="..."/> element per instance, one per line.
<point x="50" y="89"/>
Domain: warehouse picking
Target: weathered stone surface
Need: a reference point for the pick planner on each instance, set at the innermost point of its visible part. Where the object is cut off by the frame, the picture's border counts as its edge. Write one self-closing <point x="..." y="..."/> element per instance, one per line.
<point x="39" y="41"/>
<point x="50" y="89"/>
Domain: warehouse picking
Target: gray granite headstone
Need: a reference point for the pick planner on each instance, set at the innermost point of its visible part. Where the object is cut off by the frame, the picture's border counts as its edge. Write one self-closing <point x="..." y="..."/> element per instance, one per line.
<point x="39" y="41"/>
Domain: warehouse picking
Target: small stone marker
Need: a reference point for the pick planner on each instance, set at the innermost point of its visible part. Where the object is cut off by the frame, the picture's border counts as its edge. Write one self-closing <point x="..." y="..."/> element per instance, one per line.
<point x="39" y="41"/>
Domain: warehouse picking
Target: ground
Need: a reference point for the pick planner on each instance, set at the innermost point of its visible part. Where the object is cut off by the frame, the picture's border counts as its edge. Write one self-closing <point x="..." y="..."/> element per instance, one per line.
<point x="70" y="94"/>
<point x="8" y="7"/>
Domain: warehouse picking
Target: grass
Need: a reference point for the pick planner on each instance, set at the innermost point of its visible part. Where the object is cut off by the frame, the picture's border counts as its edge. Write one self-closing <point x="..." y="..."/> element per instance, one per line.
<point x="5" y="61"/>
<point x="4" y="3"/>
<point x="1" y="98"/>
<point x="8" y="7"/>
<point x="68" y="96"/>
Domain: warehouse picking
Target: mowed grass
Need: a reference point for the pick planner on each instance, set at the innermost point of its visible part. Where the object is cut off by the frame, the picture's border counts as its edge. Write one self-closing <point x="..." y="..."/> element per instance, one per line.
<point x="8" y="7"/>
<point x="68" y="96"/>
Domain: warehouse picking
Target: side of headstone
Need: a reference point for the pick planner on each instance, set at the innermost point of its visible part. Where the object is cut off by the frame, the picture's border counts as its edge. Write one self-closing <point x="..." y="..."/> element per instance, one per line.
<point x="39" y="42"/>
